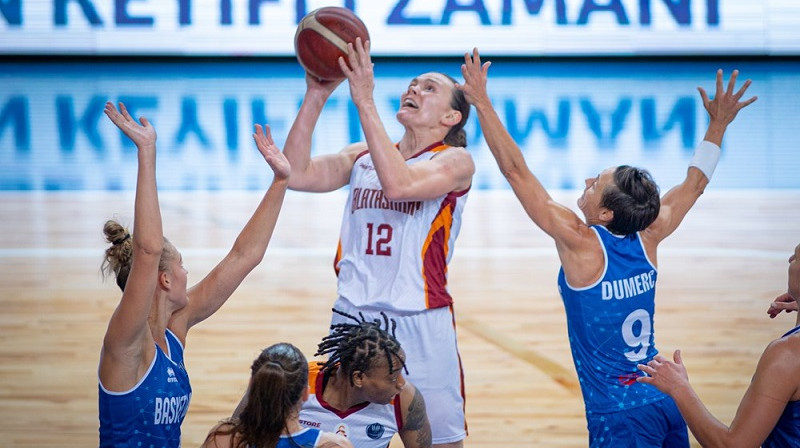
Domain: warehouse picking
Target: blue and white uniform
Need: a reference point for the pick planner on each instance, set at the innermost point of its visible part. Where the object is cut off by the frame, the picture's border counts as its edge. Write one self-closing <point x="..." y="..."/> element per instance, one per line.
<point x="151" y="412"/>
<point x="787" y="431"/>
<point x="610" y="326"/>
<point x="305" y="438"/>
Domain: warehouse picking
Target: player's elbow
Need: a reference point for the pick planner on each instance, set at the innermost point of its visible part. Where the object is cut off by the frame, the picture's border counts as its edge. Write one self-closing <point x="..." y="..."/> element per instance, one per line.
<point x="396" y="192"/>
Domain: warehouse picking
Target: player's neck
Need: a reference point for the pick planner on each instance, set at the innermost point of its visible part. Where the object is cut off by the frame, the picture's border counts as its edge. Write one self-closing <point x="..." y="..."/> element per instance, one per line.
<point x="292" y="425"/>
<point x="414" y="143"/>
<point x="338" y="393"/>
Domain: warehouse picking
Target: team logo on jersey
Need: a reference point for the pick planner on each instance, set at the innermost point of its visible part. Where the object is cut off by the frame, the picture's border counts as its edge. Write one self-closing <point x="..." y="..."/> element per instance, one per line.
<point x="342" y="430"/>
<point x="628" y="379"/>
<point x="375" y="431"/>
<point x="171" y="375"/>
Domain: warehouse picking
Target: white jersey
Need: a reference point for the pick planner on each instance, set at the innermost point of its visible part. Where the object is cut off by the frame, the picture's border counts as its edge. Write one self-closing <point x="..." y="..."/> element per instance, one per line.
<point x="367" y="425"/>
<point x="394" y="254"/>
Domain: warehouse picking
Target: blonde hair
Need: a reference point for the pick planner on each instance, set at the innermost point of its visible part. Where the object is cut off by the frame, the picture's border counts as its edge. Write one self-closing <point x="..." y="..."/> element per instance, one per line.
<point x="119" y="256"/>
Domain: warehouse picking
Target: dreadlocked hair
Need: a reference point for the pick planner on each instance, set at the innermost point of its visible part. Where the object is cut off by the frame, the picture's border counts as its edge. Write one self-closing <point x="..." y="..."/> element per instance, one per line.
<point x="356" y="346"/>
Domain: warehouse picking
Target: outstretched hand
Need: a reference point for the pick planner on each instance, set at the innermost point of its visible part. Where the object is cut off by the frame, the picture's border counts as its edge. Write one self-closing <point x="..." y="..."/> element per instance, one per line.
<point x="272" y="154"/>
<point x="725" y="105"/>
<point x="359" y="70"/>
<point x="475" y="76"/>
<point x="143" y="135"/>
<point x="784" y="302"/>
<point x="668" y="376"/>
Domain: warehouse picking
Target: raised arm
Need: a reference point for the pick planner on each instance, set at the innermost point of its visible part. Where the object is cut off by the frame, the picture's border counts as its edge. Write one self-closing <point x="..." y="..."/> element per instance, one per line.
<point x="128" y="345"/>
<point x="773" y="386"/>
<point x="416" y="430"/>
<point x="721" y="110"/>
<point x="323" y="173"/>
<point x="248" y="250"/>
<point x="556" y="220"/>
<point x="450" y="170"/>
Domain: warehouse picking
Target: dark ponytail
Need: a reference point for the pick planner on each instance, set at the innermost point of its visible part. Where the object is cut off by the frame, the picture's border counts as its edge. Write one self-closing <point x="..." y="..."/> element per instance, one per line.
<point x="278" y="378"/>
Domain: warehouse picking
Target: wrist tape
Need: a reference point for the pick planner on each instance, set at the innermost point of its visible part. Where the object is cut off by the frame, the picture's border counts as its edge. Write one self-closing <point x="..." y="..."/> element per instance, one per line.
<point x="706" y="157"/>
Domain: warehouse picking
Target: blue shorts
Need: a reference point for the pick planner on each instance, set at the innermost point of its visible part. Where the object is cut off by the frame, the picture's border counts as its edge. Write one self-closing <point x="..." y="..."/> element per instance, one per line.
<point x="656" y="425"/>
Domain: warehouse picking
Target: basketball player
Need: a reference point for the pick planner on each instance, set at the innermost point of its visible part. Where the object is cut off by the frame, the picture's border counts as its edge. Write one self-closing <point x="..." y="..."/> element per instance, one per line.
<point x="278" y="387"/>
<point x="144" y="389"/>
<point x="400" y="222"/>
<point x="769" y="414"/>
<point x="608" y="266"/>
<point x="360" y="392"/>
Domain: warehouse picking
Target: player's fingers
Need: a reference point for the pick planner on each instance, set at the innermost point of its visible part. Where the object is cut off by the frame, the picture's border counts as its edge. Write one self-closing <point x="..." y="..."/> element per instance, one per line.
<point x="476" y="56"/>
<point x="124" y="111"/>
<point x="345" y="68"/>
<point x="732" y="82"/>
<point x="703" y="96"/>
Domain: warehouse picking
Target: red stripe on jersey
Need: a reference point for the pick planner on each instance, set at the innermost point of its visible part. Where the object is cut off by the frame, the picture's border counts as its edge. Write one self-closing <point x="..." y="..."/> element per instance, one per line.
<point x="434" y="256"/>
<point x="338" y="257"/>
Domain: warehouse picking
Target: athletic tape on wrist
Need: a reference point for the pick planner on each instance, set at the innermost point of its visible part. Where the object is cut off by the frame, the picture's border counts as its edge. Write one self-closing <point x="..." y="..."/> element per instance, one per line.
<point x="706" y="157"/>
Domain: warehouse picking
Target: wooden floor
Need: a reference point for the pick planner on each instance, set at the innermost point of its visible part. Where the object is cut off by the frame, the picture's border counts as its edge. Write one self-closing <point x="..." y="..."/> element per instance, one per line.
<point x="717" y="275"/>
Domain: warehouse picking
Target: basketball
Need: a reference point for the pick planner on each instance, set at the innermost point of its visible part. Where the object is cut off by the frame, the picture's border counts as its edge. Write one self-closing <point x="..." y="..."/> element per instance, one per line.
<point x="322" y="37"/>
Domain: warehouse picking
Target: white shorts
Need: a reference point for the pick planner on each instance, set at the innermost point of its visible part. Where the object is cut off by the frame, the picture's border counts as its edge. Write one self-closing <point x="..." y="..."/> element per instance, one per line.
<point x="434" y="365"/>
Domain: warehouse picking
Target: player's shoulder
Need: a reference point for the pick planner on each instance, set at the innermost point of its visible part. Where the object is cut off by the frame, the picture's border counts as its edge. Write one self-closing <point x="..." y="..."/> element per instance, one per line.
<point x="409" y="393"/>
<point x="354" y="149"/>
<point x="780" y="358"/>
<point x="453" y="152"/>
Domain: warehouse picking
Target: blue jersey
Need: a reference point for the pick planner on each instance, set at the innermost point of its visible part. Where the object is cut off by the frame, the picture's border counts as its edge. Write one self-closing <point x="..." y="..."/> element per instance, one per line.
<point x="151" y="413"/>
<point x="305" y="438"/>
<point x="610" y="326"/>
<point x="787" y="430"/>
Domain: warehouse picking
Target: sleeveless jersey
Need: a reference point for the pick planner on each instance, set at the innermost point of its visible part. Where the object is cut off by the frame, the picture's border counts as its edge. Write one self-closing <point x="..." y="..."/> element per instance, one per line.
<point x="305" y="438"/>
<point x="610" y="326"/>
<point x="150" y="413"/>
<point x="787" y="430"/>
<point x="393" y="254"/>
<point x="367" y="425"/>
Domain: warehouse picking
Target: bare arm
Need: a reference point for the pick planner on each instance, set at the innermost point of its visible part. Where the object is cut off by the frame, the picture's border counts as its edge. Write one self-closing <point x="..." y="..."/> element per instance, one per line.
<point x="416" y="430"/>
<point x="248" y="250"/>
<point x="451" y="170"/>
<point x="558" y="221"/>
<point x="773" y="385"/>
<point x="676" y="203"/>
<point x="128" y="345"/>
<point x="323" y="173"/>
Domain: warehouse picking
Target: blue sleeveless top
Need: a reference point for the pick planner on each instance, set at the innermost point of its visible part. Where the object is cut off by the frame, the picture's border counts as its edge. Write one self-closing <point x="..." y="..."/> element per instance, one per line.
<point x="151" y="413"/>
<point x="787" y="431"/>
<point x="305" y="438"/>
<point x="610" y="326"/>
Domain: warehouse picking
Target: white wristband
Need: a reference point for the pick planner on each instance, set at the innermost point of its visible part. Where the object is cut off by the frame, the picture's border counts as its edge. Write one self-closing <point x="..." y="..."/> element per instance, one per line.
<point x="706" y="157"/>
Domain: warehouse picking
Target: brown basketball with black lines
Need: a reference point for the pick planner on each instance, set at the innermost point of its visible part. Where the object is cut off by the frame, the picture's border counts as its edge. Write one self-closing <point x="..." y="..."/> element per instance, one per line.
<point x="322" y="37"/>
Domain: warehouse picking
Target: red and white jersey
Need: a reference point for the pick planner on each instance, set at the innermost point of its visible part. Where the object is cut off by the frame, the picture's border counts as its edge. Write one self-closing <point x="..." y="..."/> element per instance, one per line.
<point x="394" y="254"/>
<point x="367" y="425"/>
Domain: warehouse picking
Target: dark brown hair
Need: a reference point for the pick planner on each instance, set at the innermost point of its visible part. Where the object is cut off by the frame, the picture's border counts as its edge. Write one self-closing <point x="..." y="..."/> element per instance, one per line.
<point x="634" y="199"/>
<point x="278" y="378"/>
<point x="457" y="136"/>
